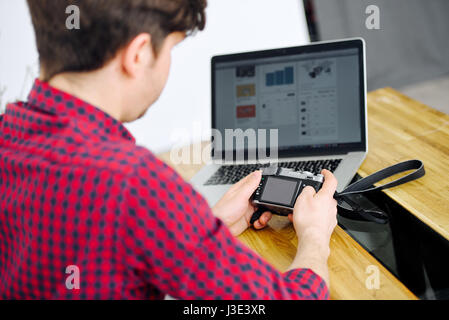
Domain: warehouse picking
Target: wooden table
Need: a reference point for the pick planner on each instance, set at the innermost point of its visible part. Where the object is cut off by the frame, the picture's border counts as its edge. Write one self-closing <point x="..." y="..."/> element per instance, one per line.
<point x="399" y="128"/>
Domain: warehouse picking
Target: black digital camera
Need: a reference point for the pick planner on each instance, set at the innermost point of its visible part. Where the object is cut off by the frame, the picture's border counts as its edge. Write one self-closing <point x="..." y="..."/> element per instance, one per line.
<point x="280" y="187"/>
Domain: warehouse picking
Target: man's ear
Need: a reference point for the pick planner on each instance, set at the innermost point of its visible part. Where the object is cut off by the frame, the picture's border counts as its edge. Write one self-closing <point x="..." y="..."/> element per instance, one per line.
<point x="137" y="55"/>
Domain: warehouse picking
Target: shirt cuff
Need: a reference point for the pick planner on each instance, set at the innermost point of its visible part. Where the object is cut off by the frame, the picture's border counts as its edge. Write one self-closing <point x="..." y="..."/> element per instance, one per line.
<point x="308" y="280"/>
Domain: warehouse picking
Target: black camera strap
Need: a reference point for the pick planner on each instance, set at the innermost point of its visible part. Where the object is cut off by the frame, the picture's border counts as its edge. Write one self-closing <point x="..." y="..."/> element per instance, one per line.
<point x="366" y="185"/>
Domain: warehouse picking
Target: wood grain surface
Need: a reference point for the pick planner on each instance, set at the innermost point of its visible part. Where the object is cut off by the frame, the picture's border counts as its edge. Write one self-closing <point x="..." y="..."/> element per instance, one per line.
<point x="399" y="129"/>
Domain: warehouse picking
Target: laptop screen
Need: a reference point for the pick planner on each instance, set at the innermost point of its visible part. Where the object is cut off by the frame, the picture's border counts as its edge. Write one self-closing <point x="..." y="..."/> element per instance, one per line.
<point x="313" y="96"/>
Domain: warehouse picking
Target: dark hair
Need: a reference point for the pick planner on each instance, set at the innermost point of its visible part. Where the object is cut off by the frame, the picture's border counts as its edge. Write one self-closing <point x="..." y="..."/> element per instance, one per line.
<point x="105" y="27"/>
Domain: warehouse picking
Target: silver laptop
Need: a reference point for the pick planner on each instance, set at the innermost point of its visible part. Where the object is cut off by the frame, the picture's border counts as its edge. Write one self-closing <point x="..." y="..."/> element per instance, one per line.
<point x="310" y="101"/>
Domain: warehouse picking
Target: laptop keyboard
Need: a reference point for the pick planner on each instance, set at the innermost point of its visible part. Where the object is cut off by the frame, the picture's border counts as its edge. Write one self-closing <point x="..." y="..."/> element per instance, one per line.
<point x="234" y="173"/>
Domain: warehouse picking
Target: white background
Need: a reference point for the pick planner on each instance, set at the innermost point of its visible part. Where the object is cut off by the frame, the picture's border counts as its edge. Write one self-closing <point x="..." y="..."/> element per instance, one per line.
<point x="232" y="26"/>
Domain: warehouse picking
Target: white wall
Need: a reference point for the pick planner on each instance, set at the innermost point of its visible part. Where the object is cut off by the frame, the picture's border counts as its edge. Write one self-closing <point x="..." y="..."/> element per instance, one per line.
<point x="18" y="55"/>
<point x="232" y="26"/>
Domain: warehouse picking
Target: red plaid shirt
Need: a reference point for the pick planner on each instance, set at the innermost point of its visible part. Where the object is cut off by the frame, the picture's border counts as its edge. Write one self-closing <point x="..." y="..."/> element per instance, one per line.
<point x="76" y="190"/>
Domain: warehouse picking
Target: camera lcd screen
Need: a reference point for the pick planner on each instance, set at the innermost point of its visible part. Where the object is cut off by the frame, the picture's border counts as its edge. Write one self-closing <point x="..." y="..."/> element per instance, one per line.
<point x="280" y="191"/>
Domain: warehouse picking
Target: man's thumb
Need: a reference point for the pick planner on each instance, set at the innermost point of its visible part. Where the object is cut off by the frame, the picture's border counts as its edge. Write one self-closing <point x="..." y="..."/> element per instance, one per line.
<point x="251" y="183"/>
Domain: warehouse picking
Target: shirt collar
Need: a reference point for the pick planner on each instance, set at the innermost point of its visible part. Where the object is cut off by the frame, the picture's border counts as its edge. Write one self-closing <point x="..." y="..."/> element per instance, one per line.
<point x="88" y="117"/>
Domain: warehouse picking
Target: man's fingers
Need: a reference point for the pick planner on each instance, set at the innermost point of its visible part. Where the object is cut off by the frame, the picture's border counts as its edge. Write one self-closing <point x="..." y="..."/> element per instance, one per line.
<point x="329" y="185"/>
<point x="257" y="225"/>
<point x="263" y="220"/>
<point x="239" y="183"/>
<point x="307" y="192"/>
<point x="251" y="181"/>
<point x="266" y="216"/>
<point x="250" y="184"/>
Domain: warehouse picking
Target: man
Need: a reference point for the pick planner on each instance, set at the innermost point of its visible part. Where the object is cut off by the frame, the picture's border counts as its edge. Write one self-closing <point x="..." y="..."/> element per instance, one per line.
<point x="78" y="196"/>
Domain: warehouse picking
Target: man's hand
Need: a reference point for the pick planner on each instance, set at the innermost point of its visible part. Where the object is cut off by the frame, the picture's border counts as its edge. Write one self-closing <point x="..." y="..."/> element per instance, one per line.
<point x="235" y="209"/>
<point x="316" y="212"/>
<point x="314" y="218"/>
